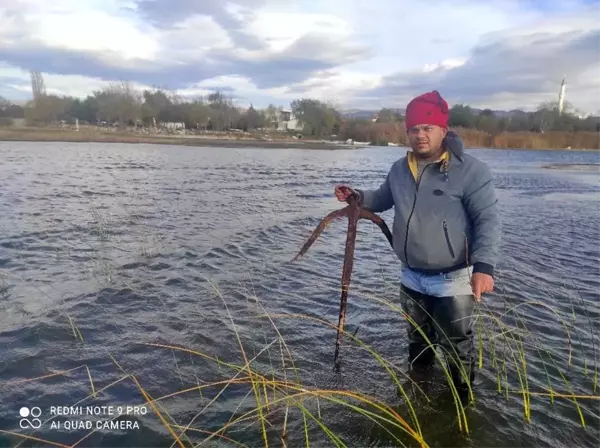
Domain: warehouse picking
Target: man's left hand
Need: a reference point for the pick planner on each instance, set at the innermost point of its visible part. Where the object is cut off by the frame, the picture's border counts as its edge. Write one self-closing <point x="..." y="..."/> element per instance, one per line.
<point x="481" y="283"/>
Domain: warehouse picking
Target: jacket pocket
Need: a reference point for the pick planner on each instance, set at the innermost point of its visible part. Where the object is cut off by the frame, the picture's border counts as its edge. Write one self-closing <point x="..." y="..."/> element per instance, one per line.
<point x="448" y="242"/>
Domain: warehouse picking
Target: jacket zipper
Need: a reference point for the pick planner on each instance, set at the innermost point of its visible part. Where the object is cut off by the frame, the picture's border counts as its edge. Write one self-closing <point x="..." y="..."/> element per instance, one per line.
<point x="450" y="248"/>
<point x="410" y="216"/>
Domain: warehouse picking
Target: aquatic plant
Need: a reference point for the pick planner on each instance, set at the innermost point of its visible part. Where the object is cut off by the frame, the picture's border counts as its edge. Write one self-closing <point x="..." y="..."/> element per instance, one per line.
<point x="279" y="391"/>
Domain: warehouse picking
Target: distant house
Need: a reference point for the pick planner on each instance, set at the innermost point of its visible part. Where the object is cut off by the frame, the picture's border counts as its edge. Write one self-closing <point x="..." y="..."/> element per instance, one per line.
<point x="173" y="126"/>
<point x="286" y="121"/>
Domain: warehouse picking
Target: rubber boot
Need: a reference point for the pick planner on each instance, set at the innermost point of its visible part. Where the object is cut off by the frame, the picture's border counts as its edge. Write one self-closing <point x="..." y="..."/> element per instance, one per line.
<point x="464" y="386"/>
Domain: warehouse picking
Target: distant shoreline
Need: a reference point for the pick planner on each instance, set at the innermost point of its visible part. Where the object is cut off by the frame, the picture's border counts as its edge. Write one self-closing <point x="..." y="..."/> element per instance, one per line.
<point x="69" y="135"/>
<point x="232" y="140"/>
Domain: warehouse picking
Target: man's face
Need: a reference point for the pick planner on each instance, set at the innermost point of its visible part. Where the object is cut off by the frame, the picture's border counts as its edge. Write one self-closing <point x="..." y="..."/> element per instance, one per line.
<point x="426" y="139"/>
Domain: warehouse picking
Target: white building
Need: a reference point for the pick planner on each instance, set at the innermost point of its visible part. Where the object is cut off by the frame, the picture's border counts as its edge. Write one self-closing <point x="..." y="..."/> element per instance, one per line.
<point x="173" y="126"/>
<point x="286" y="121"/>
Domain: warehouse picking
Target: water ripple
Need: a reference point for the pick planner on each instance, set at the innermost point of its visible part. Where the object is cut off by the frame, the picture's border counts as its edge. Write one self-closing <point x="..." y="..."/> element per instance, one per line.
<point x="108" y="249"/>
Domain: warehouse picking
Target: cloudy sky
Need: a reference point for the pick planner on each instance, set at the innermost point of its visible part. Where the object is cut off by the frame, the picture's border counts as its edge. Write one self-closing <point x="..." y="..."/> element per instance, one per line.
<point x="364" y="54"/>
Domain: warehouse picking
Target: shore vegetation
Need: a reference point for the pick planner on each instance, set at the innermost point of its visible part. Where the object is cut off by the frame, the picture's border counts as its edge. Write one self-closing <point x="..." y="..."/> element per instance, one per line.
<point x="122" y="113"/>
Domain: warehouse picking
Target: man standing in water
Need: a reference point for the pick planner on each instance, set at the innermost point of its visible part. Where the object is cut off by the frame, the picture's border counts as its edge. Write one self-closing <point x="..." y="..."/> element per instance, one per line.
<point x="446" y="233"/>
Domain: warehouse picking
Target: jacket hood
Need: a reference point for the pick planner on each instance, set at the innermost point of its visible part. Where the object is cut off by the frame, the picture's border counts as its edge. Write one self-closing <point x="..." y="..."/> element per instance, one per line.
<point x="454" y="144"/>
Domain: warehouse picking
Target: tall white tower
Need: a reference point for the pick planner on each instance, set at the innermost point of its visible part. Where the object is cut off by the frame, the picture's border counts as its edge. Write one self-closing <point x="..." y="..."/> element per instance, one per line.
<point x="37" y="84"/>
<point x="561" y="97"/>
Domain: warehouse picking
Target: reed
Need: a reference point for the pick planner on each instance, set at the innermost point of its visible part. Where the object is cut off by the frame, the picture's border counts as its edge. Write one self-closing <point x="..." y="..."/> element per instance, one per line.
<point x="504" y="347"/>
<point x="394" y="132"/>
<point x="531" y="140"/>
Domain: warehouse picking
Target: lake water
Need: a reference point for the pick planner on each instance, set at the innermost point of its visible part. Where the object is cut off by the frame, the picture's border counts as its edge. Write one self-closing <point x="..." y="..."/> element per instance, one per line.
<point x="105" y="249"/>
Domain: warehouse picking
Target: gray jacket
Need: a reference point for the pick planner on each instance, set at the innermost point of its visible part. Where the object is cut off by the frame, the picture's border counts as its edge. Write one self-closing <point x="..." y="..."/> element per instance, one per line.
<point x="449" y="220"/>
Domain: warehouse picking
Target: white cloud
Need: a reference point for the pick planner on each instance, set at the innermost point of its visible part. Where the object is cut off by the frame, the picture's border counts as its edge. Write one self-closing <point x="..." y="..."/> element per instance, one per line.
<point x="192" y="38"/>
<point x="499" y="54"/>
<point x="279" y="30"/>
<point x="94" y="31"/>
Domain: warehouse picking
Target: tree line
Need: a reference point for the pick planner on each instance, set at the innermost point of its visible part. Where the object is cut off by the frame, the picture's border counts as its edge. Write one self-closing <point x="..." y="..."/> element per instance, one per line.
<point x="545" y="118"/>
<point x="120" y="104"/>
<point x="388" y="124"/>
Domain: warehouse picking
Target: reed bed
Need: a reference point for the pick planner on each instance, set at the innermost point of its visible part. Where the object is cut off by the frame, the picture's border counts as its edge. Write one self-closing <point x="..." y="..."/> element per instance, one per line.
<point x="384" y="133"/>
<point x="280" y="393"/>
<point x="556" y="140"/>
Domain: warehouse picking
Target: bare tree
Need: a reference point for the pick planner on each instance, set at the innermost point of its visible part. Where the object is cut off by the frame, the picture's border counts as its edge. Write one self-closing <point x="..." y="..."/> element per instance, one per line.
<point x="119" y="102"/>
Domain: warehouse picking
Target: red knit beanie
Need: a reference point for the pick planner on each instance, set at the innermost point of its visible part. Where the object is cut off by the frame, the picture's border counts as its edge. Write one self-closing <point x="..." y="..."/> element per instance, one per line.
<point x="429" y="108"/>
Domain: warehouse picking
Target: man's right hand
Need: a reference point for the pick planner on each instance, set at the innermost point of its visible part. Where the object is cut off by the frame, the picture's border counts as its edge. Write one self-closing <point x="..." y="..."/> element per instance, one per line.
<point x="343" y="193"/>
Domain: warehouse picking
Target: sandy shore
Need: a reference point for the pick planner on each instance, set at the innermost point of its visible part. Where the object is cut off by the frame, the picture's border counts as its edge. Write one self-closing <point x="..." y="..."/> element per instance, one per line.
<point x="226" y="140"/>
<point x="60" y="135"/>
